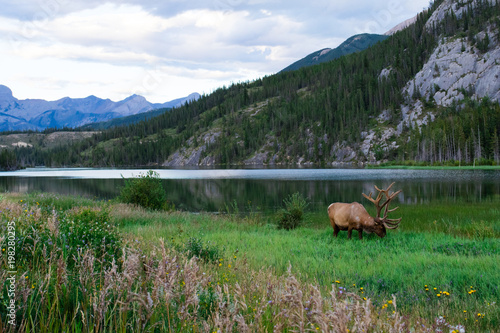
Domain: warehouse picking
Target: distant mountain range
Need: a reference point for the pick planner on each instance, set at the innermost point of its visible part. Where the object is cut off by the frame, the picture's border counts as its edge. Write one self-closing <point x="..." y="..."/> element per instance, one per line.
<point x="353" y="44"/>
<point x="39" y="114"/>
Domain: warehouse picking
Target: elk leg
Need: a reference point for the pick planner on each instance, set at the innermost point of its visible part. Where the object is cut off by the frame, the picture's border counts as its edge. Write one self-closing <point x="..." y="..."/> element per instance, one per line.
<point x="349" y="233"/>
<point x="360" y="233"/>
<point x="336" y="230"/>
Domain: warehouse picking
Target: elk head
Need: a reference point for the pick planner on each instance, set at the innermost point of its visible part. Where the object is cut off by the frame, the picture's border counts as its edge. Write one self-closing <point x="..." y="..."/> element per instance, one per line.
<point x="353" y="216"/>
<point x="381" y="223"/>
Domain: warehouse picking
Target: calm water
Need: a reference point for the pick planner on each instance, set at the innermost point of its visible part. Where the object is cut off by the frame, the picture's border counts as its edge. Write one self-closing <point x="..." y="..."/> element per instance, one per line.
<point x="211" y="190"/>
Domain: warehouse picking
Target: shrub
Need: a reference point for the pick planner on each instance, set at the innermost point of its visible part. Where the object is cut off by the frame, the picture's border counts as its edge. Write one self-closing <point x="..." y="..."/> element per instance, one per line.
<point x="146" y="191"/>
<point x="291" y="216"/>
<point x="89" y="228"/>
<point x="205" y="252"/>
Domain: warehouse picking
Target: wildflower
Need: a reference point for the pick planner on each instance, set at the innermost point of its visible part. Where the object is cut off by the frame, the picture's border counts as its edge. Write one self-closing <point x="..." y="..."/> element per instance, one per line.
<point x="364" y="298"/>
<point x="3" y="250"/>
<point x="438" y="295"/>
<point x="390" y="302"/>
<point x="229" y="266"/>
<point x="337" y="281"/>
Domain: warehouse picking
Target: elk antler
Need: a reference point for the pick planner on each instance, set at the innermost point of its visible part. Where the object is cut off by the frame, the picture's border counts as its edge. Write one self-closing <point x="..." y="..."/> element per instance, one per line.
<point x="388" y="223"/>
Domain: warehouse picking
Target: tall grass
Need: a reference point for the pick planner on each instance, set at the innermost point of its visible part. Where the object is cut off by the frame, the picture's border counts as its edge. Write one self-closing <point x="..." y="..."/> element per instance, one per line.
<point x="443" y="246"/>
<point x="246" y="275"/>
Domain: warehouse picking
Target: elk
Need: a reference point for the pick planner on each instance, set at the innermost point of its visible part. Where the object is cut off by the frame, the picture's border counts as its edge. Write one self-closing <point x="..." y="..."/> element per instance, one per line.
<point x="349" y="216"/>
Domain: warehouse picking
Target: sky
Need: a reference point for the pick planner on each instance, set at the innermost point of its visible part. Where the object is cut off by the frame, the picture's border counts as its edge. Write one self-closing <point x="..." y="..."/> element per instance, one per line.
<point x="163" y="50"/>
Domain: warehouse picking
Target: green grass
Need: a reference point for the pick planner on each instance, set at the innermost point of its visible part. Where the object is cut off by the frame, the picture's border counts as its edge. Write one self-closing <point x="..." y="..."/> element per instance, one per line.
<point x="451" y="246"/>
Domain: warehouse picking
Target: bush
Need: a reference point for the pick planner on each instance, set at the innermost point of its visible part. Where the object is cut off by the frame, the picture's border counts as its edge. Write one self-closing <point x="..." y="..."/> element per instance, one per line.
<point x="205" y="252"/>
<point x="291" y="216"/>
<point x="146" y="191"/>
<point x="90" y="228"/>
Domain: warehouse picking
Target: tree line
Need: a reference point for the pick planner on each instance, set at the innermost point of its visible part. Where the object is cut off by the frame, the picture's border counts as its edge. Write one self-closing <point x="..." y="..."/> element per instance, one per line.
<point x="302" y="113"/>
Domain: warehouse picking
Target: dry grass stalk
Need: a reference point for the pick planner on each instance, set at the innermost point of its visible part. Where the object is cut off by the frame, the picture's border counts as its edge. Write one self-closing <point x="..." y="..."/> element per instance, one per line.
<point x="53" y="223"/>
<point x="162" y="290"/>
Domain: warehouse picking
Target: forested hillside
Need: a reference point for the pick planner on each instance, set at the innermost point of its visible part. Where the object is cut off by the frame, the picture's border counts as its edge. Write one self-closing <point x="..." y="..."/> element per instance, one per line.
<point x="353" y="44"/>
<point x="358" y="108"/>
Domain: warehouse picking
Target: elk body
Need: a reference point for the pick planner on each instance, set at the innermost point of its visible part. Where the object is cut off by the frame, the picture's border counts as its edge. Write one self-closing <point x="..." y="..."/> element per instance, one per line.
<point x="353" y="216"/>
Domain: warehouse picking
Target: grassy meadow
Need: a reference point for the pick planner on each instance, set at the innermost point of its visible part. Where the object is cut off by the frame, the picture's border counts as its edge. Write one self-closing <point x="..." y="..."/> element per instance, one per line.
<point x="95" y="266"/>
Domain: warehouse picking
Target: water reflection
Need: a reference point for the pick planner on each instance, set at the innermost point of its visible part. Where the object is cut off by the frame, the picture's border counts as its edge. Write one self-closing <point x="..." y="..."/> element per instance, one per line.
<point x="211" y="190"/>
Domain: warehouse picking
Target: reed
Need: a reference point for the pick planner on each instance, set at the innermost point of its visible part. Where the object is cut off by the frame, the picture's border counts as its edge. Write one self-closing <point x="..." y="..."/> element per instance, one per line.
<point x="262" y="279"/>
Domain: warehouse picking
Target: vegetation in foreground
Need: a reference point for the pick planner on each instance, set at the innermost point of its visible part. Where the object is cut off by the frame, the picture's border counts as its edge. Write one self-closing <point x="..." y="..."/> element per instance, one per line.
<point x="90" y="266"/>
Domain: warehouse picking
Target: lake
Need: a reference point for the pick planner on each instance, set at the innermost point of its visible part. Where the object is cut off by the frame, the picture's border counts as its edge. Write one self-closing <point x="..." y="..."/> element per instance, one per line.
<point x="212" y="189"/>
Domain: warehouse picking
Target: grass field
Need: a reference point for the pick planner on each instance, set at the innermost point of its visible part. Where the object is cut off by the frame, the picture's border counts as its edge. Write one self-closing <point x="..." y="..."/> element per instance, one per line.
<point x="439" y="270"/>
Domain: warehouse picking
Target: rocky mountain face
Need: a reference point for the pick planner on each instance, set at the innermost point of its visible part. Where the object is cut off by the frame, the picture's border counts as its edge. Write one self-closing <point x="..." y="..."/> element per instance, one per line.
<point x="418" y="96"/>
<point x="36" y="114"/>
<point x="460" y="66"/>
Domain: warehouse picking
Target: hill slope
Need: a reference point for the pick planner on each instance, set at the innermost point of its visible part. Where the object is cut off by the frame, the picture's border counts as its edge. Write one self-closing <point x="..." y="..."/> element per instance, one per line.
<point x="353" y="44"/>
<point x="392" y="101"/>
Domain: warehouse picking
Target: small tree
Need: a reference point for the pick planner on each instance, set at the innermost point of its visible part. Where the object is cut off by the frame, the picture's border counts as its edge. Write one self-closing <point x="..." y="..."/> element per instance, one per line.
<point x="291" y="216"/>
<point x="145" y="190"/>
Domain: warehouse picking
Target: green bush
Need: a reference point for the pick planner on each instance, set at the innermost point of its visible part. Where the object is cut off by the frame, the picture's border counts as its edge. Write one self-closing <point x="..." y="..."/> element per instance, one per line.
<point x="291" y="216"/>
<point x="89" y="228"/>
<point x="146" y="191"/>
<point x="205" y="252"/>
<point x="68" y="234"/>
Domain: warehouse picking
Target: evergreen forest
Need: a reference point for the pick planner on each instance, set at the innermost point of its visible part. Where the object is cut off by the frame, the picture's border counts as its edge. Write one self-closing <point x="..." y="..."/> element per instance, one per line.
<point x="300" y="115"/>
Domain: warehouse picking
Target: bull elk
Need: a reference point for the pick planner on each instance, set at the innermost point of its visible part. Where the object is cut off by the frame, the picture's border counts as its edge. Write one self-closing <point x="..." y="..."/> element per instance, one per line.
<point x="349" y="216"/>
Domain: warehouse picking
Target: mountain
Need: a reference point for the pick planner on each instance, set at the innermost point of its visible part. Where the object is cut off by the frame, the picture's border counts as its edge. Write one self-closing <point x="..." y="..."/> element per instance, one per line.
<point x="402" y="25"/>
<point x="428" y="94"/>
<point x="123" y="121"/>
<point x="37" y="114"/>
<point x="353" y="44"/>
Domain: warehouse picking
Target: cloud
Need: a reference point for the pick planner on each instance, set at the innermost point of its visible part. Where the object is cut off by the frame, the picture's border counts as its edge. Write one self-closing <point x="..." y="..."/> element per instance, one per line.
<point x="190" y="45"/>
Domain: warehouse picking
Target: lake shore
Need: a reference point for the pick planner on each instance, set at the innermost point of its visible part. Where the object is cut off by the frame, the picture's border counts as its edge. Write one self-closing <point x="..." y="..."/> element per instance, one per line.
<point x="250" y="264"/>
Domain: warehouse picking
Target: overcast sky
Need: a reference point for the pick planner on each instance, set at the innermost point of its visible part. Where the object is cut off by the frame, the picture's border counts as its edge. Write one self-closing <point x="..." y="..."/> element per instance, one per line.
<point x="168" y="49"/>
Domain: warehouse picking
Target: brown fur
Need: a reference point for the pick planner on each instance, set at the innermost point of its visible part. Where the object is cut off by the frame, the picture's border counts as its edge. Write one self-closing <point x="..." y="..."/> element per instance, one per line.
<point x="353" y="216"/>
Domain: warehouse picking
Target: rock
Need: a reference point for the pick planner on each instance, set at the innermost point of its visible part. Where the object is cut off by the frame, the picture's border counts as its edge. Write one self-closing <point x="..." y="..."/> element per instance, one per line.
<point x="457" y="70"/>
